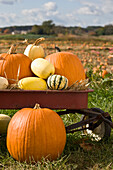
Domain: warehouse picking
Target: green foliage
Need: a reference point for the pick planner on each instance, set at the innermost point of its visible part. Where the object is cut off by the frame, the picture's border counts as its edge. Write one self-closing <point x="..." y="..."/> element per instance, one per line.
<point x="102" y="97"/>
<point x="37" y="29"/>
<point x="49" y="28"/>
<point x="46" y="28"/>
<point x="22" y="37"/>
<point x="100" y="31"/>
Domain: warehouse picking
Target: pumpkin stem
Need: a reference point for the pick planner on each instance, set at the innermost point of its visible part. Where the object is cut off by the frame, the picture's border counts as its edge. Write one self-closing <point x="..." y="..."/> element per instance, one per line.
<point x="57" y="49"/>
<point x="37" y="106"/>
<point x="13" y="47"/>
<point x="38" y="40"/>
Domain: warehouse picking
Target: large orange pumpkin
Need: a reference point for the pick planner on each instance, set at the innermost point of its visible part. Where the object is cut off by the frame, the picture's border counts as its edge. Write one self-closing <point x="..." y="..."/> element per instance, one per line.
<point x="68" y="65"/>
<point x="36" y="133"/>
<point x="13" y="66"/>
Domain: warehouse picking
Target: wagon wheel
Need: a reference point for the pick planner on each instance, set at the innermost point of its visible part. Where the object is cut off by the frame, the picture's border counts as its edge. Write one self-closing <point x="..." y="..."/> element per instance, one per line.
<point x="101" y="131"/>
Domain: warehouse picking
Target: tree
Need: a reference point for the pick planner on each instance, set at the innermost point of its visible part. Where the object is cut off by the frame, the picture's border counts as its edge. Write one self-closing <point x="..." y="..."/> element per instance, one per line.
<point x="108" y="29"/>
<point x="37" y="29"/>
<point x="100" y="31"/>
<point x="48" y="27"/>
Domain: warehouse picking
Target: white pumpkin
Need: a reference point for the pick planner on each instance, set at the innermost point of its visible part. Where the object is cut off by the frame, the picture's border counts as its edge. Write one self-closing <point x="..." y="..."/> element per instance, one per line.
<point x="42" y="68"/>
<point x="34" y="51"/>
<point x="32" y="83"/>
<point x="4" y="121"/>
<point x="3" y="83"/>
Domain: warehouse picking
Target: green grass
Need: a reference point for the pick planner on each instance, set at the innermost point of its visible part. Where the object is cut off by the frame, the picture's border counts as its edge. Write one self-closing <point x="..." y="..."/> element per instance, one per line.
<point x="22" y="36"/>
<point x="99" y="157"/>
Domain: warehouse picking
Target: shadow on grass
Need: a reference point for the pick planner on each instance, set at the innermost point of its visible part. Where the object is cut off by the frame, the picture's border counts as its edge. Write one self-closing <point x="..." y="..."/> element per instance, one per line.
<point x="88" y="154"/>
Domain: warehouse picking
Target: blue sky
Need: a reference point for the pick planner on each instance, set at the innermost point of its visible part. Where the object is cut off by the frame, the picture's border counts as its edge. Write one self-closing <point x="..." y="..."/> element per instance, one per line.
<point x="63" y="12"/>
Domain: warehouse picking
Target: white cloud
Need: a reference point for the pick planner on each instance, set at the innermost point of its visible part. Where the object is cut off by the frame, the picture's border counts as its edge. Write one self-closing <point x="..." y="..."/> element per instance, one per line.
<point x="107" y="7"/>
<point x="96" y="7"/>
<point x="46" y="12"/>
<point x="50" y="6"/>
<point x="86" y="10"/>
<point x="89" y="9"/>
<point x="9" y="19"/>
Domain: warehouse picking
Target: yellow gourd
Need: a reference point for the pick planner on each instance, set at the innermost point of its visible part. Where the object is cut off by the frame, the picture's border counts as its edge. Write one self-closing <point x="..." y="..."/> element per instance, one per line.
<point x="32" y="83"/>
<point x="34" y="51"/>
<point x="42" y="68"/>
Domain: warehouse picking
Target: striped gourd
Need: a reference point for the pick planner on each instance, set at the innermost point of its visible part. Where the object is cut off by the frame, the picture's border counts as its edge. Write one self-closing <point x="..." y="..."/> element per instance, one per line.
<point x="57" y="82"/>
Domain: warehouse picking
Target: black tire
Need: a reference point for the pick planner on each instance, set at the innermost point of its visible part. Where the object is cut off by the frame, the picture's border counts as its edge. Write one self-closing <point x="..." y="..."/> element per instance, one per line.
<point x="104" y="130"/>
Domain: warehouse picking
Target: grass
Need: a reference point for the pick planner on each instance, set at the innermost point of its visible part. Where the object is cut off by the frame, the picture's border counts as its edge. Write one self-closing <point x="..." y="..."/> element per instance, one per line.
<point x="22" y="36"/>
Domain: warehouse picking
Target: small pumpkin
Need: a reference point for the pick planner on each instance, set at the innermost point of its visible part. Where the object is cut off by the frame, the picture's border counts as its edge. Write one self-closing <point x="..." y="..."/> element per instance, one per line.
<point x="42" y="68"/>
<point x="4" y="121"/>
<point x="32" y="83"/>
<point x="36" y="133"/>
<point x="34" y="50"/>
<point x="14" y="66"/>
<point x="57" y="82"/>
<point x="67" y="64"/>
<point x="3" y="83"/>
<point x="104" y="73"/>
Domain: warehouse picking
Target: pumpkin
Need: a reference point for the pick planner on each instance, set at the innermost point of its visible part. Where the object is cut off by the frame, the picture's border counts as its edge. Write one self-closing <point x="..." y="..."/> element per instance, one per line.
<point x="57" y="82"/>
<point x="42" y="68"/>
<point x="34" y="50"/>
<point x="14" y="66"/>
<point x="32" y="83"/>
<point x="67" y="64"/>
<point x="4" y="121"/>
<point x="104" y="73"/>
<point x="110" y="60"/>
<point x="3" y="83"/>
<point x="36" y="133"/>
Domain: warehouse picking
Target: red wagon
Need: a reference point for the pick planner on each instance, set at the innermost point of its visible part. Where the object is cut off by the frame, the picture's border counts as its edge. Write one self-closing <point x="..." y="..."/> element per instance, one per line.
<point x="94" y="121"/>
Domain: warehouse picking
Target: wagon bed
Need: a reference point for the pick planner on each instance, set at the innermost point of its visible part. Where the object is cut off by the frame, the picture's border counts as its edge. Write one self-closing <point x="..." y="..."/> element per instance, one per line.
<point x="53" y="99"/>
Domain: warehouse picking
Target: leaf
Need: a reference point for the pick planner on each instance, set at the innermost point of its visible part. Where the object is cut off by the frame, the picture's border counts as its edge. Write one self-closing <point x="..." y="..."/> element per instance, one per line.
<point x="86" y="146"/>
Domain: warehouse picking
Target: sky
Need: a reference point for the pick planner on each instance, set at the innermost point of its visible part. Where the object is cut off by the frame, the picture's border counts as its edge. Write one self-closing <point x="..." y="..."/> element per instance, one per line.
<point x="62" y="12"/>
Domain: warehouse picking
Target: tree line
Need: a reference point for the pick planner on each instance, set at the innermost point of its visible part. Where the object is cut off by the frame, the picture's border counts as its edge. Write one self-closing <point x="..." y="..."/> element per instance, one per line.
<point x="49" y="28"/>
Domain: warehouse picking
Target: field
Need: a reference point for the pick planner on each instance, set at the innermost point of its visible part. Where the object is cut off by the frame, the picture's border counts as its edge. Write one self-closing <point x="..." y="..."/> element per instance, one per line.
<point x="81" y="152"/>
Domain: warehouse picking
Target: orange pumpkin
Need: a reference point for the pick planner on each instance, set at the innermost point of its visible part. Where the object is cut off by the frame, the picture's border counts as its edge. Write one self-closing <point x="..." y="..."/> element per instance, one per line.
<point x="68" y="65"/>
<point x="14" y="66"/>
<point x="104" y="73"/>
<point x="36" y="133"/>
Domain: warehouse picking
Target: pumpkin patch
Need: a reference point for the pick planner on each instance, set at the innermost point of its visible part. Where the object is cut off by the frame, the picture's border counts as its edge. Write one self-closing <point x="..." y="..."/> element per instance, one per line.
<point x="37" y="133"/>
